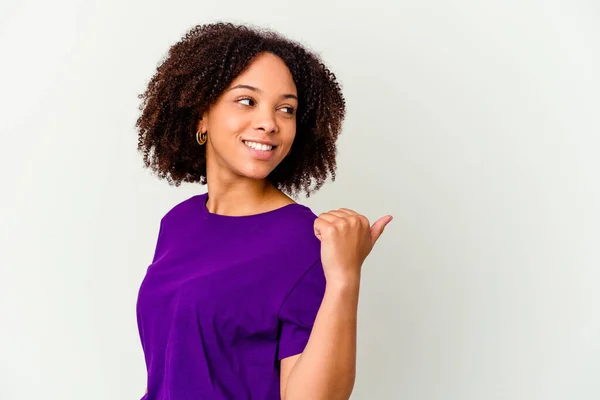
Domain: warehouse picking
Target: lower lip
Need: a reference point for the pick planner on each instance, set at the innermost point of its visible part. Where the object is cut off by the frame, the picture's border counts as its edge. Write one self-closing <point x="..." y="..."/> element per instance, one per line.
<point x="259" y="154"/>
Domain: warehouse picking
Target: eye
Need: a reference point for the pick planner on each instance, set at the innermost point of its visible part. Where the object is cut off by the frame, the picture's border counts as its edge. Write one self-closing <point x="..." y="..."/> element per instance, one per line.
<point x="249" y="100"/>
<point x="290" y="110"/>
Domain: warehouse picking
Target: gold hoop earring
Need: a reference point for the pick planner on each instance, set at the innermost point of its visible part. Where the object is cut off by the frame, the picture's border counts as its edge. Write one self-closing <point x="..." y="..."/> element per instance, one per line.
<point x="201" y="137"/>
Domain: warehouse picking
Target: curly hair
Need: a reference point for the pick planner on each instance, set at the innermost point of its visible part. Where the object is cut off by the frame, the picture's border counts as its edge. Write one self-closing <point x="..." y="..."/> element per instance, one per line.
<point x="199" y="68"/>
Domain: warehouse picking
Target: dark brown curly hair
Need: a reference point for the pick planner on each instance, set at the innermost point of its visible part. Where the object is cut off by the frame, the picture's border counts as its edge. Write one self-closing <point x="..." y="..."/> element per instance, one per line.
<point x="199" y="68"/>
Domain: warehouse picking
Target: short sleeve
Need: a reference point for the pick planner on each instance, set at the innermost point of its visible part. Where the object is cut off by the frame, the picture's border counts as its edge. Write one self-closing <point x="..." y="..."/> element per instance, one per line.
<point x="299" y="310"/>
<point x="159" y="248"/>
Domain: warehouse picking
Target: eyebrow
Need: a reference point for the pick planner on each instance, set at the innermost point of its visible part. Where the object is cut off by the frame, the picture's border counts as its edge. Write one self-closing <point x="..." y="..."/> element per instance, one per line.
<point x="255" y="89"/>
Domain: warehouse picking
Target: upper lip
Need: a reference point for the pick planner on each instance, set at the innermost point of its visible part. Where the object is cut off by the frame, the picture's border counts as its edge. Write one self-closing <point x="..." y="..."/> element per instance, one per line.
<point x="260" y="141"/>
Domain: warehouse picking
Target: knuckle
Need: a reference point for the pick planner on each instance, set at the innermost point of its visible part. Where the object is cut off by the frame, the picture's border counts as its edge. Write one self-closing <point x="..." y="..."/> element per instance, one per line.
<point x="341" y="222"/>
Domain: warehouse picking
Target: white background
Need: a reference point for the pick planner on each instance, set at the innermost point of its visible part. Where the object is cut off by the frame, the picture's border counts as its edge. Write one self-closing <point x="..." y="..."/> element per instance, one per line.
<point x="475" y="123"/>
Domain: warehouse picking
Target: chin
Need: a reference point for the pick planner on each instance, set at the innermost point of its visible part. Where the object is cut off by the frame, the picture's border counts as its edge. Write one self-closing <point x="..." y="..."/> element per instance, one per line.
<point x="256" y="173"/>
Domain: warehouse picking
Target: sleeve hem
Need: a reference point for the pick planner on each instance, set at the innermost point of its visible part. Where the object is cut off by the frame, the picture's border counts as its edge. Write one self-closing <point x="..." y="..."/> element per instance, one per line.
<point x="293" y="349"/>
<point x="317" y="261"/>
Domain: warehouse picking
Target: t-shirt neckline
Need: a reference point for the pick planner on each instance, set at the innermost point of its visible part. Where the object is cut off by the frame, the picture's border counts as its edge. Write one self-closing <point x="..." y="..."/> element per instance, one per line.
<point x="204" y="199"/>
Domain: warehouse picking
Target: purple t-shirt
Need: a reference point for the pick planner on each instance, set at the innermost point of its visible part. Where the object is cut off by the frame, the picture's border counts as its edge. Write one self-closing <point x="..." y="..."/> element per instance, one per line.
<point x="225" y="299"/>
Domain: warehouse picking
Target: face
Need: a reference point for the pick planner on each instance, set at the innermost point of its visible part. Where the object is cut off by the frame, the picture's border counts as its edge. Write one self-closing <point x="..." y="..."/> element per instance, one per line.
<point x="252" y="125"/>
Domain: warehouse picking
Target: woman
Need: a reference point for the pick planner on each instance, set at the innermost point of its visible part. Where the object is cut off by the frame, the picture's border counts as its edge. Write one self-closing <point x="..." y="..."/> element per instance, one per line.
<point x="249" y="295"/>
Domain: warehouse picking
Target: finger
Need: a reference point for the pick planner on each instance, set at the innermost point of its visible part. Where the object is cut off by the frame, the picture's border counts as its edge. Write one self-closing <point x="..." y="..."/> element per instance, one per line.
<point x="351" y="218"/>
<point x="340" y="214"/>
<point x="363" y="218"/>
<point x="329" y="217"/>
<point x="379" y="226"/>
<point x="348" y="211"/>
<point x="321" y="226"/>
<point x="353" y="213"/>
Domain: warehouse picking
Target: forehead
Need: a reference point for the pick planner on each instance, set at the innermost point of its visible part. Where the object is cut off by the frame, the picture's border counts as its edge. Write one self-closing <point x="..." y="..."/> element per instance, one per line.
<point x="268" y="73"/>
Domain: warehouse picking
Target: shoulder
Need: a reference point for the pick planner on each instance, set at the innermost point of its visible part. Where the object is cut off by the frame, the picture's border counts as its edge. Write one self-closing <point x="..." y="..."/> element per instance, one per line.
<point x="298" y="219"/>
<point x="184" y="209"/>
<point x="294" y="233"/>
<point x="298" y="214"/>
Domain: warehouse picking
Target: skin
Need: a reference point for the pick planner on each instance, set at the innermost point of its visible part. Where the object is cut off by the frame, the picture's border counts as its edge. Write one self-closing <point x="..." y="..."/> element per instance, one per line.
<point x="260" y="104"/>
<point x="267" y="112"/>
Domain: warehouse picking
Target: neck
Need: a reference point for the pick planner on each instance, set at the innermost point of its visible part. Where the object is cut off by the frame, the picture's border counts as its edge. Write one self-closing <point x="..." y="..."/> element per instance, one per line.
<point x="237" y="196"/>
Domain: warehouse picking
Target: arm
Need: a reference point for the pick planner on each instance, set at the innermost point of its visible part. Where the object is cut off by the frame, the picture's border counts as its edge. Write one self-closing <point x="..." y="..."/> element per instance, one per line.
<point x="327" y="367"/>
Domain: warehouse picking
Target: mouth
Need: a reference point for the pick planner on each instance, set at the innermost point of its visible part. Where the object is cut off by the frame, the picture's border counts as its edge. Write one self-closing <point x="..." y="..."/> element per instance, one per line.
<point x="260" y="151"/>
<point x="259" y="146"/>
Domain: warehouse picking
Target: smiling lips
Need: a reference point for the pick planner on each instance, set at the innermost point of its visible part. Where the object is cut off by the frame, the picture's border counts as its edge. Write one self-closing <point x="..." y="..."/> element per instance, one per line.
<point x="260" y="151"/>
<point x="258" y="146"/>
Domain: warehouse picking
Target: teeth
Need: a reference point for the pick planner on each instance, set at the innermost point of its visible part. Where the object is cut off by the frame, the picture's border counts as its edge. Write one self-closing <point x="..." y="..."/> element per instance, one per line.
<point x="258" y="146"/>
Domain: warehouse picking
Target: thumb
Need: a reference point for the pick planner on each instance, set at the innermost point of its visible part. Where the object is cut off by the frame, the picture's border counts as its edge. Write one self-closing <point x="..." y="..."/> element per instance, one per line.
<point x="378" y="226"/>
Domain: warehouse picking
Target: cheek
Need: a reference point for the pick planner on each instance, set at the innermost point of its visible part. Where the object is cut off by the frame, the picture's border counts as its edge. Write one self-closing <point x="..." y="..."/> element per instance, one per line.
<point x="234" y="124"/>
<point x="230" y="122"/>
<point x="289" y="138"/>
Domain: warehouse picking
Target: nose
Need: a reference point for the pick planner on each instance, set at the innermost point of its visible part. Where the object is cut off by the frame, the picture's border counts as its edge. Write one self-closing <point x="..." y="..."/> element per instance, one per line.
<point x="264" y="120"/>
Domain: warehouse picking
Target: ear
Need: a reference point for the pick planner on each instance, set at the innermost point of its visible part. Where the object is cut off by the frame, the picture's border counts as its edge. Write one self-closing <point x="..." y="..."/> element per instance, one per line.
<point x="203" y="123"/>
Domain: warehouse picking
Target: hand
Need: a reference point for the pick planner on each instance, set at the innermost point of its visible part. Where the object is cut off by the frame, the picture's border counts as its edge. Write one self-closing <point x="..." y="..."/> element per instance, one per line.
<point x="346" y="238"/>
